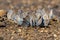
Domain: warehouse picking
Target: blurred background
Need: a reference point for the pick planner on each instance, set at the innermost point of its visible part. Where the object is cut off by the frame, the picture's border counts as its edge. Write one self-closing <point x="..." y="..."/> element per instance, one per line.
<point x="54" y="4"/>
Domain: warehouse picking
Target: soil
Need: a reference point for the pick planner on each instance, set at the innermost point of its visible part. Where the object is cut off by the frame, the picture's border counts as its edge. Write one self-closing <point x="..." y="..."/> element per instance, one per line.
<point x="12" y="31"/>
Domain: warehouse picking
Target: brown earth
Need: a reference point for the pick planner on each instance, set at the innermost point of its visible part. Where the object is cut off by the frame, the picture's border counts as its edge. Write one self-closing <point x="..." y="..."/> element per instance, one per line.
<point x="11" y="31"/>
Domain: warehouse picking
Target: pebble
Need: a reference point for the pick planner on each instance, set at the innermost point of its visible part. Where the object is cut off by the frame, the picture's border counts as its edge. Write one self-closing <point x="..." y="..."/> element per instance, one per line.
<point x="2" y="24"/>
<point x="41" y="31"/>
<point x="46" y="31"/>
<point x="2" y="12"/>
<point x="55" y="35"/>
<point x="12" y="37"/>
<point x="19" y="30"/>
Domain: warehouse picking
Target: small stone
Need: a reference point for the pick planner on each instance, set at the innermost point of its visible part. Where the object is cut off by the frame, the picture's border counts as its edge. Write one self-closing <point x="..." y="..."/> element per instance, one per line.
<point x="2" y="12"/>
<point x="13" y="32"/>
<point x="2" y="24"/>
<point x="7" y="30"/>
<point x="19" y="30"/>
<point x="12" y="37"/>
<point x="46" y="31"/>
<point x="55" y="35"/>
<point x="41" y="31"/>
